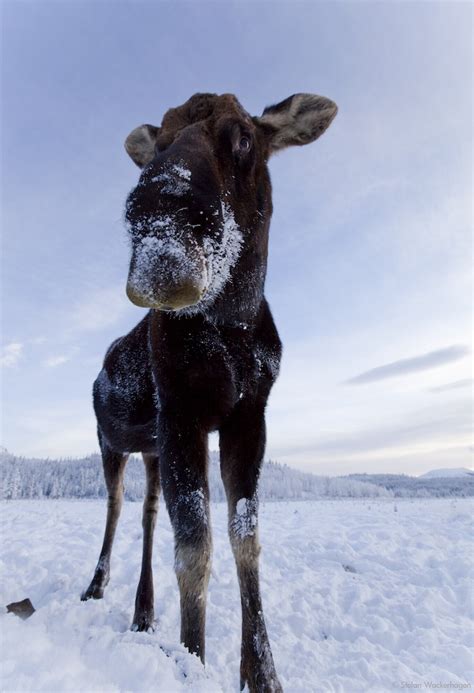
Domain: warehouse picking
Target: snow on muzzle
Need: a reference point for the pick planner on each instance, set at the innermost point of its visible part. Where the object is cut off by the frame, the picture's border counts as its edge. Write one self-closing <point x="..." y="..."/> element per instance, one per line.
<point x="167" y="273"/>
<point x="172" y="269"/>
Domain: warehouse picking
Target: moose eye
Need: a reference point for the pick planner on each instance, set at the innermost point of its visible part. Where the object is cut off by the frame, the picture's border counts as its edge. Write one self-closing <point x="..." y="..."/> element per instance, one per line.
<point x="244" y="144"/>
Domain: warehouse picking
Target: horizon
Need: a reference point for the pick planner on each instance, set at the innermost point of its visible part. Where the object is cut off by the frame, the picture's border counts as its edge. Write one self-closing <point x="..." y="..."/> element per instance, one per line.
<point x="137" y="456"/>
<point x="370" y="274"/>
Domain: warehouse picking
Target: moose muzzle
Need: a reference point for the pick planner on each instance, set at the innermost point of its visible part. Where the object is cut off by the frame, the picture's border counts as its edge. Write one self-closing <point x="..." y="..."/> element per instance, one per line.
<point x="166" y="275"/>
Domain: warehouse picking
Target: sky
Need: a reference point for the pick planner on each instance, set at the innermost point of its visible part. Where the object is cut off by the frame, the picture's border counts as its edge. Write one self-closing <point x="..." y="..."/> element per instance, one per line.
<point x="370" y="264"/>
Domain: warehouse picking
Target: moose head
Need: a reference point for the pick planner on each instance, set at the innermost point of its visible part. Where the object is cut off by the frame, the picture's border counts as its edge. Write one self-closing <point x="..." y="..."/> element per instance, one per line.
<point x="202" y="205"/>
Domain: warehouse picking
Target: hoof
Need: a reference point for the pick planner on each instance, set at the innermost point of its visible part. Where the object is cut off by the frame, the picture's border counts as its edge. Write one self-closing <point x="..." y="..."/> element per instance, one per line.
<point x="92" y="592"/>
<point x="257" y="669"/>
<point x="260" y="679"/>
<point x="98" y="584"/>
<point x="143" y="623"/>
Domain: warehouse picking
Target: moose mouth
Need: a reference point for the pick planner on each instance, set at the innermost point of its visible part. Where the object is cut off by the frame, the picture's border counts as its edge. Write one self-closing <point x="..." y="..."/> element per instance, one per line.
<point x="172" y="300"/>
<point x="166" y="274"/>
<point x="174" y="271"/>
<point x="184" y="297"/>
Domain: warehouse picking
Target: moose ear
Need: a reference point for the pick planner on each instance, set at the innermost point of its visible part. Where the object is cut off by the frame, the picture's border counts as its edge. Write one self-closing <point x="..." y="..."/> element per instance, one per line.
<point x="299" y="119"/>
<point x="140" y="144"/>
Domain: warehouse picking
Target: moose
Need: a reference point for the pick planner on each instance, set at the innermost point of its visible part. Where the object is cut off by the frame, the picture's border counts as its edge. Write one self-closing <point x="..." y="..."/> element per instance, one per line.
<point x="206" y="354"/>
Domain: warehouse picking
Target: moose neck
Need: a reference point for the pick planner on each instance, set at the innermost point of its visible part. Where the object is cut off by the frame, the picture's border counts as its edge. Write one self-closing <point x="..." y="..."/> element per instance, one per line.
<point x="241" y="299"/>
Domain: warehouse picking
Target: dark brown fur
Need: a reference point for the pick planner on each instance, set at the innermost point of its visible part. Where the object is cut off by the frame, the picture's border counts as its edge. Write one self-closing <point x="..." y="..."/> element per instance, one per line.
<point x="206" y="355"/>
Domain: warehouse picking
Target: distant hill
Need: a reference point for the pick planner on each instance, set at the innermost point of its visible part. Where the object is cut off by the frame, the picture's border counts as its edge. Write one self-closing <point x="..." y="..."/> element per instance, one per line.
<point x="446" y="473"/>
<point x="22" y="477"/>
<point x="404" y="486"/>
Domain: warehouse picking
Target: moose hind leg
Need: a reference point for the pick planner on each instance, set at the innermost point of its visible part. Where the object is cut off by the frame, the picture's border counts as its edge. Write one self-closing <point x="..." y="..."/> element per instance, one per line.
<point x="114" y="467"/>
<point x="144" y="610"/>
<point x="185" y="488"/>
<point x="242" y="443"/>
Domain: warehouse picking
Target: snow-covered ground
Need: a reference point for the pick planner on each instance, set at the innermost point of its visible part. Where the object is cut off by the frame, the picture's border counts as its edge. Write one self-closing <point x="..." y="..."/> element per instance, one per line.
<point x="360" y="595"/>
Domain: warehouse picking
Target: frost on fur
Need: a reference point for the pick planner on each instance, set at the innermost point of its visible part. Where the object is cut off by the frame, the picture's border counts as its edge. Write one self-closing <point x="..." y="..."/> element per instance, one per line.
<point x="244" y="522"/>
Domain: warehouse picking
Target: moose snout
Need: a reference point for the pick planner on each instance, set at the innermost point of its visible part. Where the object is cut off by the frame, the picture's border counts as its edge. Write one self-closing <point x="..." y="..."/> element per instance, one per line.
<point x="166" y="278"/>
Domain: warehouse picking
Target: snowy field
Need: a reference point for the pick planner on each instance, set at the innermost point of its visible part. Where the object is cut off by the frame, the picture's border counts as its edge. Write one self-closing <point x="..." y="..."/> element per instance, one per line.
<point x="360" y="595"/>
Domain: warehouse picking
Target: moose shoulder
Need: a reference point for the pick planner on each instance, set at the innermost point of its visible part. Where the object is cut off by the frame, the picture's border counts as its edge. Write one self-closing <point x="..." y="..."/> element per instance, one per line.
<point x="206" y="354"/>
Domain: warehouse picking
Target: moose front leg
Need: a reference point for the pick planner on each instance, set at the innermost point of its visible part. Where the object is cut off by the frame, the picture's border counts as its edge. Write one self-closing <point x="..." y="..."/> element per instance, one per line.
<point x="144" y="608"/>
<point x="183" y="466"/>
<point x="242" y="444"/>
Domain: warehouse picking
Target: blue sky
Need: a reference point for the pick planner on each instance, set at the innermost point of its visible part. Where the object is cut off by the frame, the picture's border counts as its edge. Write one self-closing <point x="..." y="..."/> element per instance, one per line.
<point x="370" y="256"/>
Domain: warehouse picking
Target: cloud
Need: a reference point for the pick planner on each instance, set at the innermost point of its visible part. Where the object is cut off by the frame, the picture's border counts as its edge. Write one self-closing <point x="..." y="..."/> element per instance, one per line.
<point x="11" y="353"/>
<point x="465" y="382"/>
<point x="432" y="359"/>
<point x="430" y="428"/>
<point x="59" y="359"/>
<point x="54" y="361"/>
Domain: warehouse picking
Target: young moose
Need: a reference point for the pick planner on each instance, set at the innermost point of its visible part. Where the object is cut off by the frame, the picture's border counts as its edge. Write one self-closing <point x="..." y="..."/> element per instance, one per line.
<point x="206" y="355"/>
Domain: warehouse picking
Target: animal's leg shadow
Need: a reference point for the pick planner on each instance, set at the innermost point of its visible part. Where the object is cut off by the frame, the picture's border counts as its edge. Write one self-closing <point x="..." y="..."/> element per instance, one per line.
<point x="114" y="467"/>
<point x="144" y="609"/>
<point x="242" y="444"/>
